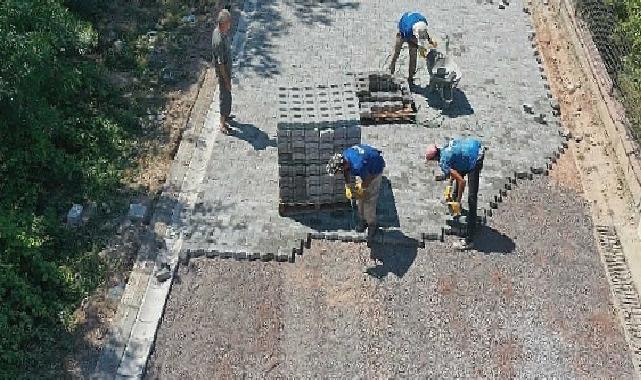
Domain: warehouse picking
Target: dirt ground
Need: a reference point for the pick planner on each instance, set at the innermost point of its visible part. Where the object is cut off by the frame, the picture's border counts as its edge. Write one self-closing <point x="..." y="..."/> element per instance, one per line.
<point x="156" y="150"/>
<point x="600" y="173"/>
<point x="532" y="300"/>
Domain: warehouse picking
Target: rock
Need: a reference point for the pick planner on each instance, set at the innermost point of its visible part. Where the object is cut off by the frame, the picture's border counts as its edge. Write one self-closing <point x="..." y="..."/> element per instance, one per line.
<point x="189" y="19"/>
<point x="74" y="216"/>
<point x="137" y="211"/>
<point x="163" y="274"/>
<point x="118" y="46"/>
<point x="540" y="118"/>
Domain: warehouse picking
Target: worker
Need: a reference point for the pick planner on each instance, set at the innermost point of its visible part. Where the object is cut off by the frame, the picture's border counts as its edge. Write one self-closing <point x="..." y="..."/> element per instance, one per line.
<point x="222" y="60"/>
<point x="412" y="29"/>
<point x="459" y="158"/>
<point x="365" y="163"/>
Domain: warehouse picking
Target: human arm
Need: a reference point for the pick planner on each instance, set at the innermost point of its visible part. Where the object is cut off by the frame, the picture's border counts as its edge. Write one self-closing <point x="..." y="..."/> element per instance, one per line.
<point x="460" y="183"/>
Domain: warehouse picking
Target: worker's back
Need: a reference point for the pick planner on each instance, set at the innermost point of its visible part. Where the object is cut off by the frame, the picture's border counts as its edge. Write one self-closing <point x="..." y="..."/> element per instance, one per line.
<point x="364" y="160"/>
<point x="460" y="155"/>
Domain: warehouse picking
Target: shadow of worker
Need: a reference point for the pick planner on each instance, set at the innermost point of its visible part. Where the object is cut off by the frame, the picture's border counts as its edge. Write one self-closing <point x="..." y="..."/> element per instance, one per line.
<point x="393" y="252"/>
<point x="489" y="240"/>
<point x="258" y="139"/>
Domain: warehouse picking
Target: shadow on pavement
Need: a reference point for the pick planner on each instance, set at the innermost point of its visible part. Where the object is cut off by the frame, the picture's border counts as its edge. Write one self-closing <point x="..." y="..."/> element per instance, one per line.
<point x="489" y="240"/>
<point x="395" y="251"/>
<point x="347" y="219"/>
<point x="258" y="139"/>
<point x="460" y="105"/>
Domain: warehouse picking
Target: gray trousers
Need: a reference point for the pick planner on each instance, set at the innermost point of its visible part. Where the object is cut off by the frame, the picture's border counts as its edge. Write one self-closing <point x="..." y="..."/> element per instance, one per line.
<point x="224" y="99"/>
<point x="367" y="204"/>
<point x="398" y="46"/>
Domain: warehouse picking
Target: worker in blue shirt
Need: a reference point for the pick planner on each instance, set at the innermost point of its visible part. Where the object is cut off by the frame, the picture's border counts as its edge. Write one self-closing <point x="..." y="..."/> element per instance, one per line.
<point x="365" y="163"/>
<point x="459" y="158"/>
<point x="412" y="29"/>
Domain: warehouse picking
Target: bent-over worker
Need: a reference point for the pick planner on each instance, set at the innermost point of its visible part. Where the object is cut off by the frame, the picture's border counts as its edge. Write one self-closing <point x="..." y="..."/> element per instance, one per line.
<point x="459" y="158"/>
<point x="412" y="29"/>
<point x="365" y="163"/>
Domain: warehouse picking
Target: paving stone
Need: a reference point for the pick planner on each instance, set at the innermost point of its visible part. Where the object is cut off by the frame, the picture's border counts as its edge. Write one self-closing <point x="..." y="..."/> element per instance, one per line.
<point x="249" y="173"/>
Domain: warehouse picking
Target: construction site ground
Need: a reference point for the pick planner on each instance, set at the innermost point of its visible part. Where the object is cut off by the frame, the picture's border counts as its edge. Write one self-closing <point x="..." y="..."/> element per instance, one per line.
<point x="533" y="301"/>
<point x="533" y="298"/>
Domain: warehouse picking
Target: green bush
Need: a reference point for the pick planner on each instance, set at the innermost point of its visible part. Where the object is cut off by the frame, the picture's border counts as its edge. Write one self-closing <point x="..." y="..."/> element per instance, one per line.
<point x="64" y="137"/>
<point x="627" y="35"/>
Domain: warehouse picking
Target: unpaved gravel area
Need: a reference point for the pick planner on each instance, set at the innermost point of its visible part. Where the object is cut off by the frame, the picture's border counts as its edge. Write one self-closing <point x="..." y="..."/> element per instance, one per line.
<point x="532" y="301"/>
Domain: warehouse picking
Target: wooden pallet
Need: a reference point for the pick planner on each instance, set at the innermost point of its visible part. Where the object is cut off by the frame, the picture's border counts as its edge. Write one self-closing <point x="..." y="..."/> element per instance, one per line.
<point x="402" y="116"/>
<point x="285" y="209"/>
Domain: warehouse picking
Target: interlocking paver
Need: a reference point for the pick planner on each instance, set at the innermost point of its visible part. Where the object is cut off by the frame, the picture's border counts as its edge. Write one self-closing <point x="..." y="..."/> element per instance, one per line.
<point x="503" y="99"/>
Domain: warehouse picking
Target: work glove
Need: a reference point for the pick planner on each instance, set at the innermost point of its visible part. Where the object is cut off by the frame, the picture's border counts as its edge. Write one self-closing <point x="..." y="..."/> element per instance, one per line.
<point x="455" y="208"/>
<point x="423" y="52"/>
<point x="348" y="192"/>
<point x="448" y="193"/>
<point x="358" y="190"/>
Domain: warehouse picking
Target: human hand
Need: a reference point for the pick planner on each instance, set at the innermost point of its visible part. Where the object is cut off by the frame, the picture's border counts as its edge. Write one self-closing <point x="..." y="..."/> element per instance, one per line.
<point x="455" y="208"/>
<point x="358" y="189"/>
<point x="348" y="192"/>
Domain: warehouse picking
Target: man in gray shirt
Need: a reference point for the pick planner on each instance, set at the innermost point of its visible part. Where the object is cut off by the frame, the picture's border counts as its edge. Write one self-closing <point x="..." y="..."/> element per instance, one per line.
<point x="221" y="47"/>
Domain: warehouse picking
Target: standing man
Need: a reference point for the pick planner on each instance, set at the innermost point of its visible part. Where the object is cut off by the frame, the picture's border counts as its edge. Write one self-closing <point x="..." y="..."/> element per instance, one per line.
<point x="222" y="59"/>
<point x="459" y="158"/>
<point x="366" y="163"/>
<point x="412" y="28"/>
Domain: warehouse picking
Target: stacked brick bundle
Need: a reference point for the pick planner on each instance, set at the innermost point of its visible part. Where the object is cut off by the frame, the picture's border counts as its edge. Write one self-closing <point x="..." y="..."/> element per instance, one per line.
<point x="314" y="124"/>
<point x="383" y="98"/>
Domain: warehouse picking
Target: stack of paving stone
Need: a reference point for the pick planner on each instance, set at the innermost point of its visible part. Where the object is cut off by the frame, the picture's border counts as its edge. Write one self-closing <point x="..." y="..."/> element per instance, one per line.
<point x="383" y="98"/>
<point x="314" y="124"/>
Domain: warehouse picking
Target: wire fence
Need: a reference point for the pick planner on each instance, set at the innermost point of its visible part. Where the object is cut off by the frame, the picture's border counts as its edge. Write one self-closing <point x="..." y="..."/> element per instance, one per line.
<point x="604" y="20"/>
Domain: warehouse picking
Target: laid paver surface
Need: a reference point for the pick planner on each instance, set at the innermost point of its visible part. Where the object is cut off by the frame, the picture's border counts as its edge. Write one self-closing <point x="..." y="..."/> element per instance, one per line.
<point x="297" y="43"/>
<point x="532" y="301"/>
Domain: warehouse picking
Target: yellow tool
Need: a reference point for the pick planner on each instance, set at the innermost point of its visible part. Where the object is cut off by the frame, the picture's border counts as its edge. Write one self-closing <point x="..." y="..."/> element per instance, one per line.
<point x="455" y="208"/>
<point x="448" y="193"/>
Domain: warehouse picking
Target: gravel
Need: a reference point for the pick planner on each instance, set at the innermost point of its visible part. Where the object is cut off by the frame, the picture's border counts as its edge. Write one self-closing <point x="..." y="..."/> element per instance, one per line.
<point x="532" y="301"/>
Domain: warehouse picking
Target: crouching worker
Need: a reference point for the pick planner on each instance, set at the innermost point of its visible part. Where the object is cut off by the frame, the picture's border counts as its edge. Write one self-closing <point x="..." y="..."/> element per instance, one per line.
<point x="460" y="158"/>
<point x="362" y="166"/>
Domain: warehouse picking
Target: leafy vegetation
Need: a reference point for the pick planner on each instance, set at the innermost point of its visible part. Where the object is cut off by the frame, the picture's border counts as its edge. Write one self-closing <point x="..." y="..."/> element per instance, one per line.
<point x="65" y="137"/>
<point x="628" y="36"/>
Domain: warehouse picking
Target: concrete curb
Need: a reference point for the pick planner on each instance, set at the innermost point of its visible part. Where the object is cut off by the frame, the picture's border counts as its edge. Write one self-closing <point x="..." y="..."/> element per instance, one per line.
<point x="140" y="312"/>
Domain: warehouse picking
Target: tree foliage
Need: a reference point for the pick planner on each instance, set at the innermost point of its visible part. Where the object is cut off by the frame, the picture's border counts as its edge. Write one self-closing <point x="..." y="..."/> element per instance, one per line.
<point x="627" y="37"/>
<point x="63" y="139"/>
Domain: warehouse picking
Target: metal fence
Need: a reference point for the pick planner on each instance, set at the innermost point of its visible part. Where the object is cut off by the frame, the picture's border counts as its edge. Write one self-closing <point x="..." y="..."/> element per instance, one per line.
<point x="600" y="18"/>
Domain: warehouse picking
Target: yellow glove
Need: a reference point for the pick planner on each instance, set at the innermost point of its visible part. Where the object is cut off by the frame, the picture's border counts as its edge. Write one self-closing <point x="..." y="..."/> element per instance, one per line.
<point x="348" y="192"/>
<point x="433" y="44"/>
<point x="448" y="194"/>
<point x="455" y="208"/>
<point x="423" y="52"/>
<point x="358" y="189"/>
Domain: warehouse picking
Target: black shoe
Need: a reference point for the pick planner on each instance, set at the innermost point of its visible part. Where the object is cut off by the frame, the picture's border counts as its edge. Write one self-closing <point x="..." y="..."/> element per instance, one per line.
<point x="360" y="227"/>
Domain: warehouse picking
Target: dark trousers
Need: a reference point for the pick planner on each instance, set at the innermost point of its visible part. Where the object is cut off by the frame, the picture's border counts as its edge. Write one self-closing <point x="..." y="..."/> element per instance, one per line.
<point x="398" y="45"/>
<point x="472" y="197"/>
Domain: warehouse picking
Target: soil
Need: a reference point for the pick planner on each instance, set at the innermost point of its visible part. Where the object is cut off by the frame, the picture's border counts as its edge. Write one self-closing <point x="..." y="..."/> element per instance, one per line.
<point x="531" y="301"/>
<point x="156" y="149"/>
